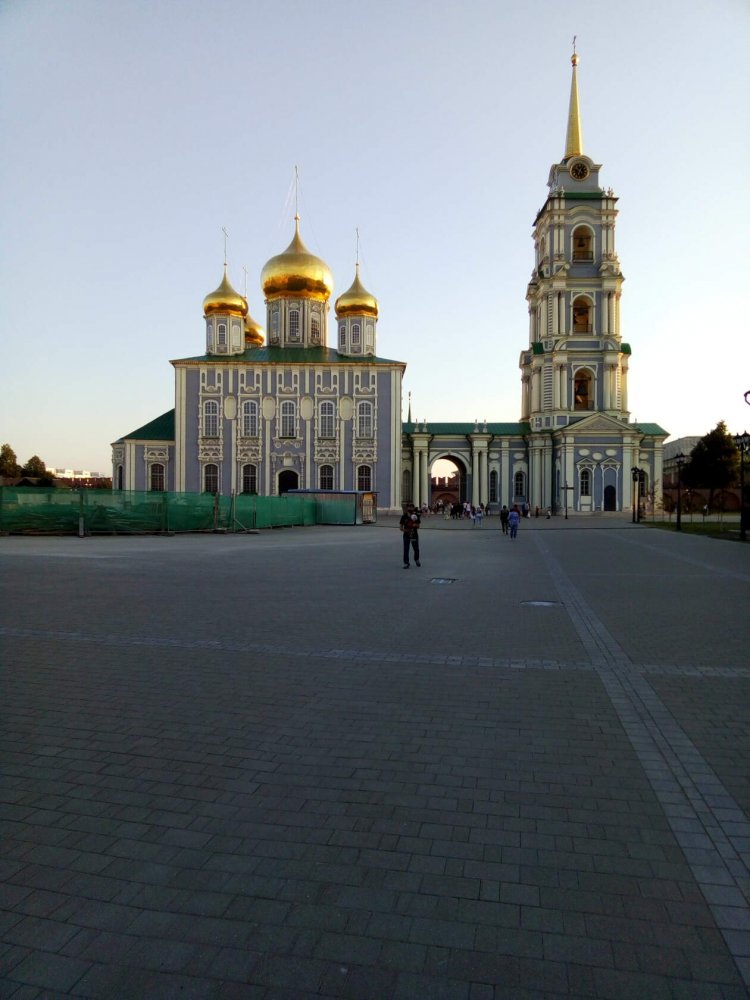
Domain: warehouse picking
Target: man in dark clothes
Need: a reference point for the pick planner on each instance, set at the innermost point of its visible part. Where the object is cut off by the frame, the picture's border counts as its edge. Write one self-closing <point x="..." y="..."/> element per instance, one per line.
<point x="409" y="525"/>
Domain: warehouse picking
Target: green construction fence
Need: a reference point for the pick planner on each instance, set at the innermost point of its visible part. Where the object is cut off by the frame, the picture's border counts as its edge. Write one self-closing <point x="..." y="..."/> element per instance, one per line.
<point x="35" y="510"/>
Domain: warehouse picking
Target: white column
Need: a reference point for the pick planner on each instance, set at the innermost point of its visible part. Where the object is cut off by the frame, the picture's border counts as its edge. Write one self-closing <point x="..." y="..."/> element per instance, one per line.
<point x="425" y="475"/>
<point x="504" y="487"/>
<point x="483" y="492"/>
<point x="474" y="474"/>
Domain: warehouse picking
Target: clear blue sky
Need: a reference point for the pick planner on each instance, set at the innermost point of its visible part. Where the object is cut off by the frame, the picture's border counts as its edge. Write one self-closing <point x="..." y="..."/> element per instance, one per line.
<point x="133" y="131"/>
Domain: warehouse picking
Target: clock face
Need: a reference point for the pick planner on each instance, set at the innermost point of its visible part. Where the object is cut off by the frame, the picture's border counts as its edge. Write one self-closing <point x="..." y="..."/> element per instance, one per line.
<point x="579" y="171"/>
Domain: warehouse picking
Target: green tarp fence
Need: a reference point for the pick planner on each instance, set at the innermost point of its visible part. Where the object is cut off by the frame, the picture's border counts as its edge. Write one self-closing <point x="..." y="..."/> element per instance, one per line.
<point x="30" y="510"/>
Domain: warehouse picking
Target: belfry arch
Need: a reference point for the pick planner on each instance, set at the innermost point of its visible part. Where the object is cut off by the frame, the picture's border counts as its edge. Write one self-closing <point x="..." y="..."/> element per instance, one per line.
<point x="446" y="486"/>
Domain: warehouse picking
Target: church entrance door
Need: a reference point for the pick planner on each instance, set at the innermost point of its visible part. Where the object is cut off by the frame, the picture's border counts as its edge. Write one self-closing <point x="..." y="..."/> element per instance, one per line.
<point x="288" y="480"/>
<point x="610" y="498"/>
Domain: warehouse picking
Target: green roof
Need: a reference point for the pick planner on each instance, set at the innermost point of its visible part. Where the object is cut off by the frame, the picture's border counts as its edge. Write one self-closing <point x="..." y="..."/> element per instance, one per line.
<point x="537" y="347"/>
<point x="160" y="429"/>
<point x="652" y="430"/>
<point x="470" y="428"/>
<point x="290" y="356"/>
<point x="625" y="349"/>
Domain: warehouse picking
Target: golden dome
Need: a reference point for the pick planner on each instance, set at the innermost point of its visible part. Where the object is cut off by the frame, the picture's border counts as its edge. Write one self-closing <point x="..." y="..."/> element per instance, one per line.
<point x="253" y="332"/>
<point x="225" y="300"/>
<point x="296" y="271"/>
<point x="356" y="301"/>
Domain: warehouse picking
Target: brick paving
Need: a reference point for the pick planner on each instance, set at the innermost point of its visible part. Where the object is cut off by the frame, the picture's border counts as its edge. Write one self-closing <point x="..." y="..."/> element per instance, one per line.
<point x="278" y="766"/>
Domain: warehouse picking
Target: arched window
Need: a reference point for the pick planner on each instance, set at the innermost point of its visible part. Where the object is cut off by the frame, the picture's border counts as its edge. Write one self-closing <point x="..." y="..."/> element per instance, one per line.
<point x="583" y="243"/>
<point x="211" y="478"/>
<point x="585" y="485"/>
<point x="493" y="486"/>
<point x="326" y="477"/>
<point x="356" y="338"/>
<point x="582" y="315"/>
<point x="342" y="337"/>
<point x="211" y="418"/>
<point x="583" y="395"/>
<point x="294" y="324"/>
<point x="369" y="336"/>
<point x="364" y="420"/>
<point x="288" y="419"/>
<point x="156" y="478"/>
<point x="364" y="477"/>
<point x="519" y="486"/>
<point x="327" y="420"/>
<point x="208" y="334"/>
<point x="314" y="330"/>
<point x="222" y="334"/>
<point x="249" y="479"/>
<point x="250" y="419"/>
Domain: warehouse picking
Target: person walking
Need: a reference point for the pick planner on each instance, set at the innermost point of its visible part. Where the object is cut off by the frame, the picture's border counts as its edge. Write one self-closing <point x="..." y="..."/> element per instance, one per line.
<point x="409" y="525"/>
<point x="504" y="519"/>
<point x="513" y="519"/>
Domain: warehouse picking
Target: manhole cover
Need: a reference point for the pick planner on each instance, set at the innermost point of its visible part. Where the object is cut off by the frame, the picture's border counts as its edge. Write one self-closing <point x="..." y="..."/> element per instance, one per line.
<point x="443" y="579"/>
<point x="541" y="604"/>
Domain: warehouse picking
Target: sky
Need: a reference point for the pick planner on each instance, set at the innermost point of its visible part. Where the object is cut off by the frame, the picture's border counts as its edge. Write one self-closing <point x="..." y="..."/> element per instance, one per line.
<point x="134" y="131"/>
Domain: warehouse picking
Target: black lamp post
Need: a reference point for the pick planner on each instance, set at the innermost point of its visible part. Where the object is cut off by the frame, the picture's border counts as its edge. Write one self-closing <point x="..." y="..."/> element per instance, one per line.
<point x="636" y="473"/>
<point x="743" y="444"/>
<point x="680" y="461"/>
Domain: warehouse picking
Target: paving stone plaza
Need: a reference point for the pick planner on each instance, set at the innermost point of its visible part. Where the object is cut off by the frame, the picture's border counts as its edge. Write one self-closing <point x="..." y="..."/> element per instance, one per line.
<point x="279" y="766"/>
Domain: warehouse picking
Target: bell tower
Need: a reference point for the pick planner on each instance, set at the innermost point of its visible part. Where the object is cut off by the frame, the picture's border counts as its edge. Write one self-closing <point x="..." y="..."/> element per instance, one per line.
<point x="576" y="362"/>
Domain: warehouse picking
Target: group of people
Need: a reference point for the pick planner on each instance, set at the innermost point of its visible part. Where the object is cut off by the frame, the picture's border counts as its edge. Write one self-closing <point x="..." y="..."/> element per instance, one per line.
<point x="411" y="522"/>
<point x="510" y="519"/>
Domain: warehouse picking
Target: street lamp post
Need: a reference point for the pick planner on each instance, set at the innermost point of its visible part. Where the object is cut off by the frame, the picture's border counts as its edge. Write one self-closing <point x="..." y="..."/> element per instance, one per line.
<point x="636" y="473"/>
<point x="743" y="444"/>
<point x="680" y="461"/>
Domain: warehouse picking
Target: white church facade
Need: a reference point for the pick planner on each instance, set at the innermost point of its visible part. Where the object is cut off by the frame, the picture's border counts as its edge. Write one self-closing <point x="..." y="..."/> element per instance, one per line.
<point x="293" y="413"/>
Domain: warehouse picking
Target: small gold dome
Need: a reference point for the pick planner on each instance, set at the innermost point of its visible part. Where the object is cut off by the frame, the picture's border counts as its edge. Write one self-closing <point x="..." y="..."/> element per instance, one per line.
<point x="225" y="300"/>
<point x="296" y="271"/>
<point x="356" y="301"/>
<point x="253" y="332"/>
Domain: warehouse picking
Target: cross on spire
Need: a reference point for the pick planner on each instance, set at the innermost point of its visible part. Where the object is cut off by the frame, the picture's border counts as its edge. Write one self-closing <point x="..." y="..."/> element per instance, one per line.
<point x="226" y="237"/>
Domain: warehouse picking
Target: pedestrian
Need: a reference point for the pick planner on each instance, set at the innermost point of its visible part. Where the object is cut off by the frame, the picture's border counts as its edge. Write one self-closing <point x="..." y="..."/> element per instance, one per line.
<point x="478" y="515"/>
<point x="409" y="525"/>
<point x="504" y="519"/>
<point x="513" y="519"/>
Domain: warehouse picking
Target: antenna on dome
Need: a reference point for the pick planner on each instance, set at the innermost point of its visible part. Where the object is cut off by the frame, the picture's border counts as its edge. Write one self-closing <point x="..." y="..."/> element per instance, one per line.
<point x="226" y="237"/>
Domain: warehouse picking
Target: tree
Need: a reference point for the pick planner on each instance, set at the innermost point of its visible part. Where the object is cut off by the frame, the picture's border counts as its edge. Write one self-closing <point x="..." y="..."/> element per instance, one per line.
<point x="8" y="462"/>
<point x="34" y="467"/>
<point x="713" y="462"/>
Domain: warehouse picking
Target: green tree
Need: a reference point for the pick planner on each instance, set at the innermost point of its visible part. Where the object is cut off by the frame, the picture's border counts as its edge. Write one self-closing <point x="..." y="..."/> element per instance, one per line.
<point x="36" y="469"/>
<point x="8" y="462"/>
<point x="713" y="462"/>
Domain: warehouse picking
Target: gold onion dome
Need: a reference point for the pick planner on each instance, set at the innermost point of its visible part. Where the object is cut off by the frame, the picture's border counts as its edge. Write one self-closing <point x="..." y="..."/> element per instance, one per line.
<point x="225" y="300"/>
<point x="253" y="332"/>
<point x="356" y="301"/>
<point x="296" y="271"/>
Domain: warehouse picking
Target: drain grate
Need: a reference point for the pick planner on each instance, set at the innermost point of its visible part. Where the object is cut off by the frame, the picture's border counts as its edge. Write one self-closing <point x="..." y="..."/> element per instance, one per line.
<point x="542" y="604"/>
<point x="443" y="579"/>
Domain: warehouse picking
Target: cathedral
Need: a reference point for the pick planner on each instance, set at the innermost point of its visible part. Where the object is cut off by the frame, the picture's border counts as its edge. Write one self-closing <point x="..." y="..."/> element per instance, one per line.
<point x="289" y="412"/>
